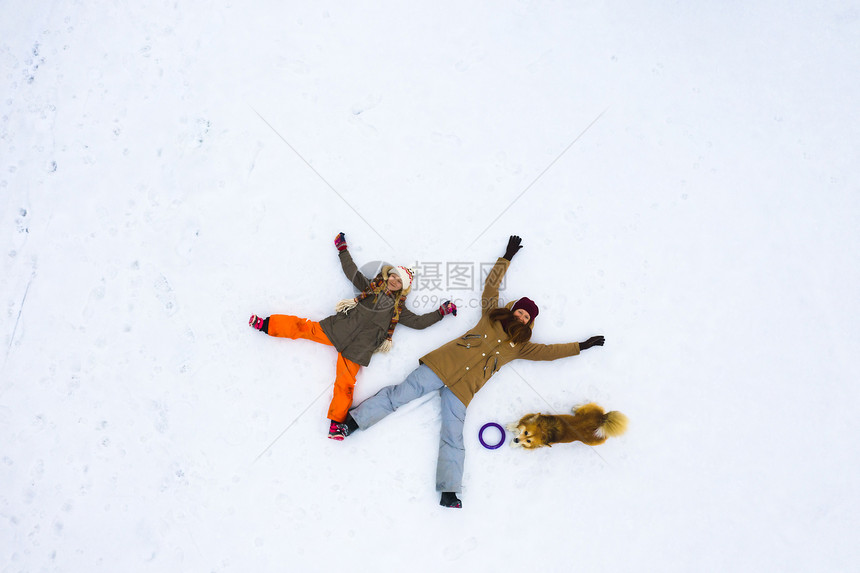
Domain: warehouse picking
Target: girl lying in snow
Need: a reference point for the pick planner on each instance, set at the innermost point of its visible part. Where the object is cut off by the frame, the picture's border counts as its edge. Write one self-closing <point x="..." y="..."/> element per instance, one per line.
<point x="460" y="368"/>
<point x="361" y="326"/>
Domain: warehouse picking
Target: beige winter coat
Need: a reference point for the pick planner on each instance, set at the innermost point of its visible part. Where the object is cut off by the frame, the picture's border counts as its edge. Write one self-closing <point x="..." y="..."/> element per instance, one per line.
<point x="467" y="363"/>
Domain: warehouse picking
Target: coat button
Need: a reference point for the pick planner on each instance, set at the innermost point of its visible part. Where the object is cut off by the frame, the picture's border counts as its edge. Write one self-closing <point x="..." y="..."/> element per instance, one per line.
<point x="468" y="346"/>
<point x="485" y="336"/>
<point x="483" y="353"/>
<point x="499" y="341"/>
<point x="497" y="351"/>
<point x="467" y="367"/>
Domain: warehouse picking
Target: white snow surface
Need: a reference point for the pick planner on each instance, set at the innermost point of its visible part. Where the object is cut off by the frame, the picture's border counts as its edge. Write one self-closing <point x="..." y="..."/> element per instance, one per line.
<point x="684" y="177"/>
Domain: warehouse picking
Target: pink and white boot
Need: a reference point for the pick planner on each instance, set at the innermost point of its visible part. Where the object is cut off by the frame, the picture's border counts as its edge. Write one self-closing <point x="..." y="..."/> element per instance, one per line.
<point x="255" y="322"/>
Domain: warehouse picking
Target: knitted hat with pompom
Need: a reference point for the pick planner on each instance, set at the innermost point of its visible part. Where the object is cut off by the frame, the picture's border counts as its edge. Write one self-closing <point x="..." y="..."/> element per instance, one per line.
<point x="406" y="276"/>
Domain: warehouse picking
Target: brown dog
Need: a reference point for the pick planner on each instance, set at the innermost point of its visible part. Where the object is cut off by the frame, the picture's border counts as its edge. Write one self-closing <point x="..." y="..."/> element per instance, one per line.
<point x="589" y="424"/>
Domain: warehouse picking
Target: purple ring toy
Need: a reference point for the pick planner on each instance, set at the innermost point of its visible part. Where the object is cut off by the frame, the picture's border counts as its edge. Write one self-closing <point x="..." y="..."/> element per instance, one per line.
<point x="481" y="435"/>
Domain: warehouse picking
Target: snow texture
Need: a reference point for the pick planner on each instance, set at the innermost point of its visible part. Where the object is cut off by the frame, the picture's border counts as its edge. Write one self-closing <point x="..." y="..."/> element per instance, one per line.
<point x="684" y="177"/>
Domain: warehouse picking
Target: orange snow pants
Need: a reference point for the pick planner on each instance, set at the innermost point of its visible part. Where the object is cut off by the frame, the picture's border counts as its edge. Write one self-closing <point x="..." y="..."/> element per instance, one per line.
<point x="285" y="326"/>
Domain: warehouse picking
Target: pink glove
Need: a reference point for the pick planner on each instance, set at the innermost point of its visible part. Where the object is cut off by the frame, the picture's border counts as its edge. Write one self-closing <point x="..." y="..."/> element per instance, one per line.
<point x="340" y="242"/>
<point x="448" y="307"/>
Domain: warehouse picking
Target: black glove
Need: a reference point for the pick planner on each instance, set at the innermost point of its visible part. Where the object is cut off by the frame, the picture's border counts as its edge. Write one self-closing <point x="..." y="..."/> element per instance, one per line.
<point x="514" y="245"/>
<point x="593" y="341"/>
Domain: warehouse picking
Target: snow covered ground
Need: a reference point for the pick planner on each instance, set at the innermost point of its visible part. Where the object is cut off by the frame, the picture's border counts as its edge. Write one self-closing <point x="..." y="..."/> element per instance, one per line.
<point x="684" y="177"/>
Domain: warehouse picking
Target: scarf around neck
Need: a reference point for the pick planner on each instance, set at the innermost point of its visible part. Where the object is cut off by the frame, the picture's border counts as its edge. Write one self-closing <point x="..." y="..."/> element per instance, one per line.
<point x="377" y="286"/>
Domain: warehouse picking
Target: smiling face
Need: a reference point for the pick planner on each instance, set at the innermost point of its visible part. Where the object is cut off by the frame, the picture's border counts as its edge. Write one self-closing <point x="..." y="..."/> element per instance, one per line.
<point x="394" y="283"/>
<point x="521" y="315"/>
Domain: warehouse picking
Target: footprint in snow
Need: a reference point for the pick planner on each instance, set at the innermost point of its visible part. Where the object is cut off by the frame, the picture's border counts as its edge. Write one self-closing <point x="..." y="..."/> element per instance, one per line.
<point x="95" y="299"/>
<point x="456" y="551"/>
<point x="164" y="293"/>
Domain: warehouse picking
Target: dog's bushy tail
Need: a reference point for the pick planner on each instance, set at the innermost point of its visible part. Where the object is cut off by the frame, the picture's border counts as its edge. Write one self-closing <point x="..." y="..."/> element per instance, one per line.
<point x="614" y="424"/>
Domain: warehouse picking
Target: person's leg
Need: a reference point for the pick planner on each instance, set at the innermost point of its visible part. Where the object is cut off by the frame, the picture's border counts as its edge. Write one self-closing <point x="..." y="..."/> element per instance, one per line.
<point x="421" y="381"/>
<point x="452" y="451"/>
<point x="344" y="384"/>
<point x="287" y="326"/>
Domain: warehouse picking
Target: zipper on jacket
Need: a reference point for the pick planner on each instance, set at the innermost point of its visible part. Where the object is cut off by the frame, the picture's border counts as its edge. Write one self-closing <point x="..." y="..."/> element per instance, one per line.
<point x="466" y="338"/>
<point x="495" y="364"/>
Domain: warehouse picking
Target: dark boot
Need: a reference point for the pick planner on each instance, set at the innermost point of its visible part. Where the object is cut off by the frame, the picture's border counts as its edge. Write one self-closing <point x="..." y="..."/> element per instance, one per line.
<point x="449" y="499"/>
<point x="351" y="423"/>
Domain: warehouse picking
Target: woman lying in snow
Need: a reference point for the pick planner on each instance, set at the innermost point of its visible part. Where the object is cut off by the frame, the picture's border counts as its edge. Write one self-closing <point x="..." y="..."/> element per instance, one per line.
<point x="460" y="368"/>
<point x="361" y="326"/>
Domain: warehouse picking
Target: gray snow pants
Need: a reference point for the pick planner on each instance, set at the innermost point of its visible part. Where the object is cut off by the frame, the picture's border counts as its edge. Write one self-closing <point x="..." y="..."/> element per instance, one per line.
<point x="422" y="380"/>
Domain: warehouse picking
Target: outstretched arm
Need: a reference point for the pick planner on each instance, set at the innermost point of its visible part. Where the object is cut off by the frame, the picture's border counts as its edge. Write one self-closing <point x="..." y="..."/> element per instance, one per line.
<point x="419" y="321"/>
<point x="490" y="296"/>
<point x="351" y="271"/>
<point x="533" y="351"/>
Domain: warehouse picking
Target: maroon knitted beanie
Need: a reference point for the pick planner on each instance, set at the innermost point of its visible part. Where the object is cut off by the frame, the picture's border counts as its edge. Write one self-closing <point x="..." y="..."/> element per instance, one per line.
<point x="527" y="305"/>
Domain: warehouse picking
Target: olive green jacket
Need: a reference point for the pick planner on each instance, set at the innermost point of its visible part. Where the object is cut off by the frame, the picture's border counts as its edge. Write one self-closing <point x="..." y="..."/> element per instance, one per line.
<point x="358" y="333"/>
<point x="467" y="363"/>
